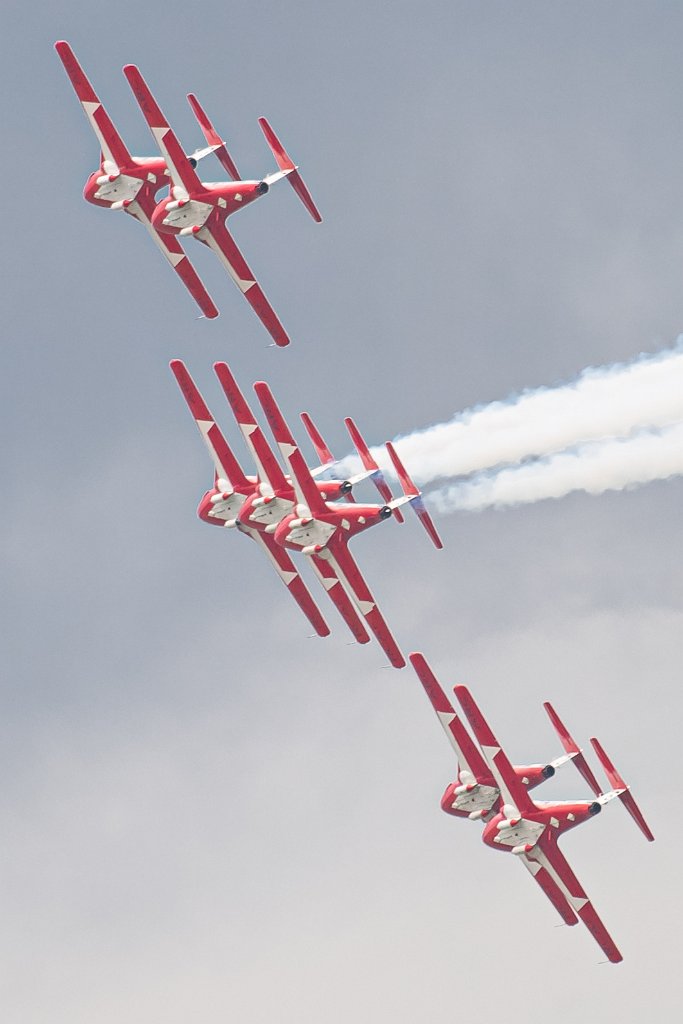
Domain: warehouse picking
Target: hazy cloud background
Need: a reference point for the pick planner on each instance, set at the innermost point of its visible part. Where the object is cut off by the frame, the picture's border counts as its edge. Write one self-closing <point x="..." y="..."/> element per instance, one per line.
<point x="206" y="815"/>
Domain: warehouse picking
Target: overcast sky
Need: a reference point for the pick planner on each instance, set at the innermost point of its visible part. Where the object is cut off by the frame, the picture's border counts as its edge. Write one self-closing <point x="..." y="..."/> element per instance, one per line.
<point x="207" y="816"/>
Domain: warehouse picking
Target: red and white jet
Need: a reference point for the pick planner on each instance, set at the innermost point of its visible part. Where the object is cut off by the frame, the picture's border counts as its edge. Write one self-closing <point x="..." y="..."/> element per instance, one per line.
<point x="475" y="793"/>
<point x="254" y="503"/>
<point x="530" y="828"/>
<point x="199" y="209"/>
<point x="322" y="530"/>
<point x="131" y="183"/>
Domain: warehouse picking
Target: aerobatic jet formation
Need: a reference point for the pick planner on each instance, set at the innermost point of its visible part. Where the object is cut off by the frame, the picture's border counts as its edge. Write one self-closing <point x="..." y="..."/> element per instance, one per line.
<point x="192" y="208"/>
<point x="489" y="788"/>
<point x="198" y="209"/>
<point x="286" y="505"/>
<point x="131" y="183"/>
<point x="257" y="504"/>
<point x="322" y="530"/>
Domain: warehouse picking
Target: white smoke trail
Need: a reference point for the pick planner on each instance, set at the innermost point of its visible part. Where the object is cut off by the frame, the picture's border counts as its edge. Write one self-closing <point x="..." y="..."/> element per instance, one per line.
<point x="612" y="401"/>
<point x="595" y="467"/>
<point x="614" y="427"/>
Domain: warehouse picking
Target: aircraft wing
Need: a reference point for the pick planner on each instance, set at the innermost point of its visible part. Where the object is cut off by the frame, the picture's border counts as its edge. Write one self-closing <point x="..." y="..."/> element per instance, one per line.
<point x="216" y="236"/>
<point x="268" y="467"/>
<point x="287" y="572"/>
<point x="547" y="854"/>
<point x="341" y="560"/>
<point x="550" y="887"/>
<point x="178" y="164"/>
<point x="225" y="463"/>
<point x="469" y="755"/>
<point x="142" y="209"/>
<point x="113" y="148"/>
<point x="512" y="789"/>
<point x="306" y="489"/>
<point x="341" y="600"/>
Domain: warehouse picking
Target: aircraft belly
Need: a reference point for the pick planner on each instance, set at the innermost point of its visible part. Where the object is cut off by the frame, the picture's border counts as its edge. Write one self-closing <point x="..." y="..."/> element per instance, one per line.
<point x="123" y="187"/>
<point x="314" y="532"/>
<point x="525" y="832"/>
<point x="227" y="508"/>
<point x="191" y="215"/>
<point x="480" y="799"/>
<point x="272" y="512"/>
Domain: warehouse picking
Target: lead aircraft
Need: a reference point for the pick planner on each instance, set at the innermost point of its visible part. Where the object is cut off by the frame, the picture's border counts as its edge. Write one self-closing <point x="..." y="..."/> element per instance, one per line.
<point x="254" y="504"/>
<point x="131" y="183"/>
<point x="322" y="530"/>
<point x="515" y="823"/>
<point x="199" y="209"/>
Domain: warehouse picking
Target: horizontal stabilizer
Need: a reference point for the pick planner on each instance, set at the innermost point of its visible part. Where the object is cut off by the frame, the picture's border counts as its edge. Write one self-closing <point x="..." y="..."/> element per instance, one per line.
<point x="572" y="748"/>
<point x="371" y="467"/>
<point x="324" y="454"/>
<point x="416" y="502"/>
<point x="214" y="140"/>
<point x="288" y="167"/>
<point x="622" y="791"/>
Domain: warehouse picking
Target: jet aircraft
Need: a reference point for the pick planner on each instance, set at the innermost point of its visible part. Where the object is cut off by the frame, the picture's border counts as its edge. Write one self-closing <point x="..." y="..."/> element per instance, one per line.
<point x="199" y="209"/>
<point x="530" y="829"/>
<point x="321" y="529"/>
<point x="131" y="183"/>
<point x="475" y="794"/>
<point x="252" y="504"/>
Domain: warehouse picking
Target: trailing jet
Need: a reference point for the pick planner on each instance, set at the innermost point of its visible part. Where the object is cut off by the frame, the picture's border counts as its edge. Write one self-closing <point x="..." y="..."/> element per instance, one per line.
<point x="475" y="793"/>
<point x="199" y="209"/>
<point x="530" y="829"/>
